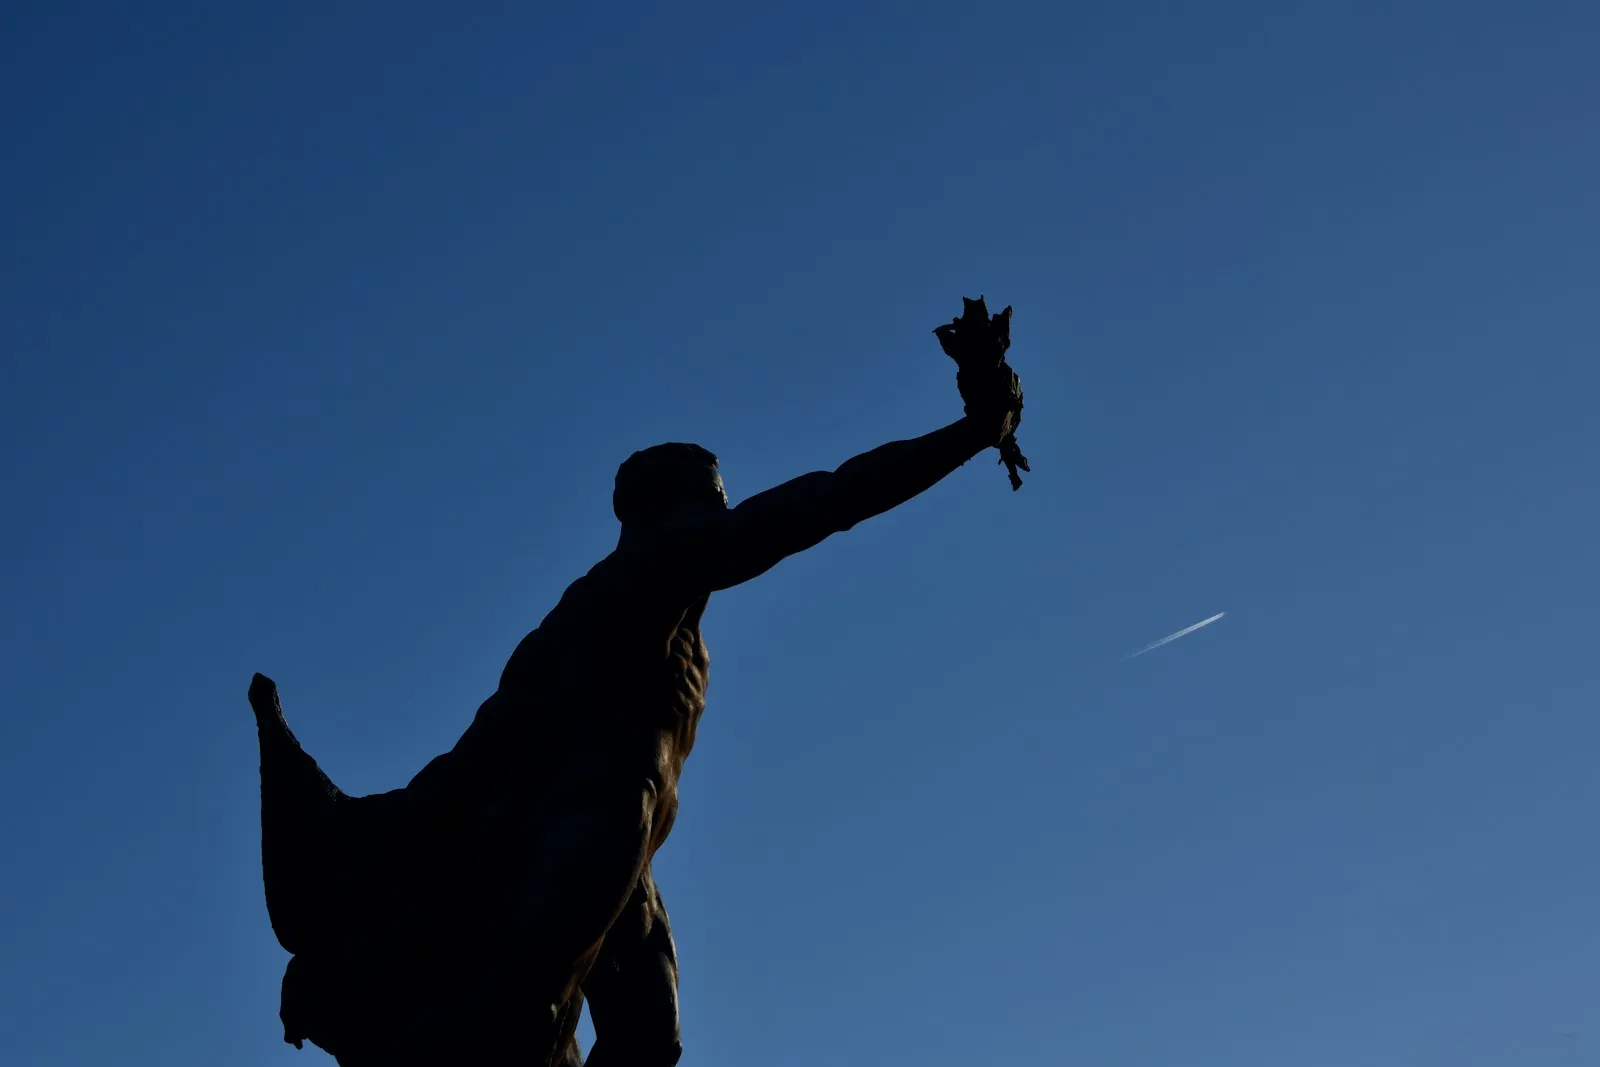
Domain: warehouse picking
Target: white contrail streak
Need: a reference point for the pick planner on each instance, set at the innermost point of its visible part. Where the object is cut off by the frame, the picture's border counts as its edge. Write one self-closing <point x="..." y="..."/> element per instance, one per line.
<point x="1185" y="632"/>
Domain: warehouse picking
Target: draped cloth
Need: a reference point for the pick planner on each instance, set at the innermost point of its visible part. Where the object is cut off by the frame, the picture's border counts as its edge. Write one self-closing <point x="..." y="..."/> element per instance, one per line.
<point x="372" y="894"/>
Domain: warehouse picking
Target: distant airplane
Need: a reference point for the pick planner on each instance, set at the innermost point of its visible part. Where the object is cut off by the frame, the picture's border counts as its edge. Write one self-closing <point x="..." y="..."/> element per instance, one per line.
<point x="1187" y="630"/>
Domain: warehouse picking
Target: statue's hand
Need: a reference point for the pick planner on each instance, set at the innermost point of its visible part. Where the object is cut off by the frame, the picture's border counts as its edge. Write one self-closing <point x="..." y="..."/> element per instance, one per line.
<point x="993" y="396"/>
<point x="977" y="341"/>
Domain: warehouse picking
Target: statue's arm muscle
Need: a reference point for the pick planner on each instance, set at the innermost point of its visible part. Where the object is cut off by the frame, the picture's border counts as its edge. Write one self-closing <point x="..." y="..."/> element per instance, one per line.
<point x="750" y="539"/>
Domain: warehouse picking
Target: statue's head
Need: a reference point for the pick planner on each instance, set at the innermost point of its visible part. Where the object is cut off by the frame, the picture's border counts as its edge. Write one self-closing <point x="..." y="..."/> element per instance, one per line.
<point x="666" y="480"/>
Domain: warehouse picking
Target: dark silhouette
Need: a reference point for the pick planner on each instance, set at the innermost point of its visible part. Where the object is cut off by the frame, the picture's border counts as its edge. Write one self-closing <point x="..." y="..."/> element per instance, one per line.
<point x="978" y="344"/>
<point x="467" y="918"/>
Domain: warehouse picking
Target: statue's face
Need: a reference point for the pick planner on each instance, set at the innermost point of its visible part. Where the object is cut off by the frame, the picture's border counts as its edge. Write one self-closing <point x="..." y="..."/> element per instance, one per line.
<point x="698" y="488"/>
<point x="689" y="489"/>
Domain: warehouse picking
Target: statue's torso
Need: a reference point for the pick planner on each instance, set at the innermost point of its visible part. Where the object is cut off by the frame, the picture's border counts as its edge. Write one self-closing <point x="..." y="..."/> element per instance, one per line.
<point x="610" y="689"/>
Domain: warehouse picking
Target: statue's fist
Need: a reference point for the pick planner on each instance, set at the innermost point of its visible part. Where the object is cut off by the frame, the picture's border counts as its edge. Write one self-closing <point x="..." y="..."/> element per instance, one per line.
<point x="993" y="397"/>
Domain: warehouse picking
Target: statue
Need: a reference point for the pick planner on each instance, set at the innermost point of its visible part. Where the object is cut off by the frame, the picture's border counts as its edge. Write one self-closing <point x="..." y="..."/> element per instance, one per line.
<point x="468" y="917"/>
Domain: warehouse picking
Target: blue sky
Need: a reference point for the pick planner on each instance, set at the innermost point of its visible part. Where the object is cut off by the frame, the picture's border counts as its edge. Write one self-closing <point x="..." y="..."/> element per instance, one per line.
<point x="325" y="326"/>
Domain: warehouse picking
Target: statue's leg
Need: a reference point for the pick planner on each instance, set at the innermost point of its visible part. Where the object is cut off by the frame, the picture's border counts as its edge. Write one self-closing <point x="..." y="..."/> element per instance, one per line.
<point x="503" y="998"/>
<point x="632" y="989"/>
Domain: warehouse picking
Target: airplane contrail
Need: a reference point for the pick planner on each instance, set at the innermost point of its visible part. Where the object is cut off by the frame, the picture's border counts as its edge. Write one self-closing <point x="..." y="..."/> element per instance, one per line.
<point x="1185" y="632"/>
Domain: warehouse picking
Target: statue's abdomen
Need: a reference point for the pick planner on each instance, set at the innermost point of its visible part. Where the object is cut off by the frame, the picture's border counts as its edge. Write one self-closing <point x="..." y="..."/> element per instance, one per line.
<point x="688" y="668"/>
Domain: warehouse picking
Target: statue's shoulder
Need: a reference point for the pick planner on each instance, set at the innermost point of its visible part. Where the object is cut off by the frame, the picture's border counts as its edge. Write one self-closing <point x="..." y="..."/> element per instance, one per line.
<point x="589" y="599"/>
<point x="582" y="591"/>
<point x="626" y="575"/>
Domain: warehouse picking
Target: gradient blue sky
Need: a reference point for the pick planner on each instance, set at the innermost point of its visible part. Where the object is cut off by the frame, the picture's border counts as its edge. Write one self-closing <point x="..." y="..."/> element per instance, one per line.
<point x="325" y="326"/>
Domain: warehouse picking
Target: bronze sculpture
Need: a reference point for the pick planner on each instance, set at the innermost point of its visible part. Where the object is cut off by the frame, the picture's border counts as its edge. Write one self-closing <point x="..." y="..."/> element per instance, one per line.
<point x="469" y="916"/>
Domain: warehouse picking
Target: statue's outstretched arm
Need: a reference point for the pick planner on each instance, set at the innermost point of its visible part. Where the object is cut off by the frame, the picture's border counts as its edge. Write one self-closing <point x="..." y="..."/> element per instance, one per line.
<point x="750" y="539"/>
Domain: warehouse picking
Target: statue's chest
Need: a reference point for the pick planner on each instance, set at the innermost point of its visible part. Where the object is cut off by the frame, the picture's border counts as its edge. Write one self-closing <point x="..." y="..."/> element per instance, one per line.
<point x="654" y="677"/>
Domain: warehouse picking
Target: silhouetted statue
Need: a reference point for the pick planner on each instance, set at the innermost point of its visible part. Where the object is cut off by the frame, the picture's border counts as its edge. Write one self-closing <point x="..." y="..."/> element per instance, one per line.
<point x="466" y="918"/>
